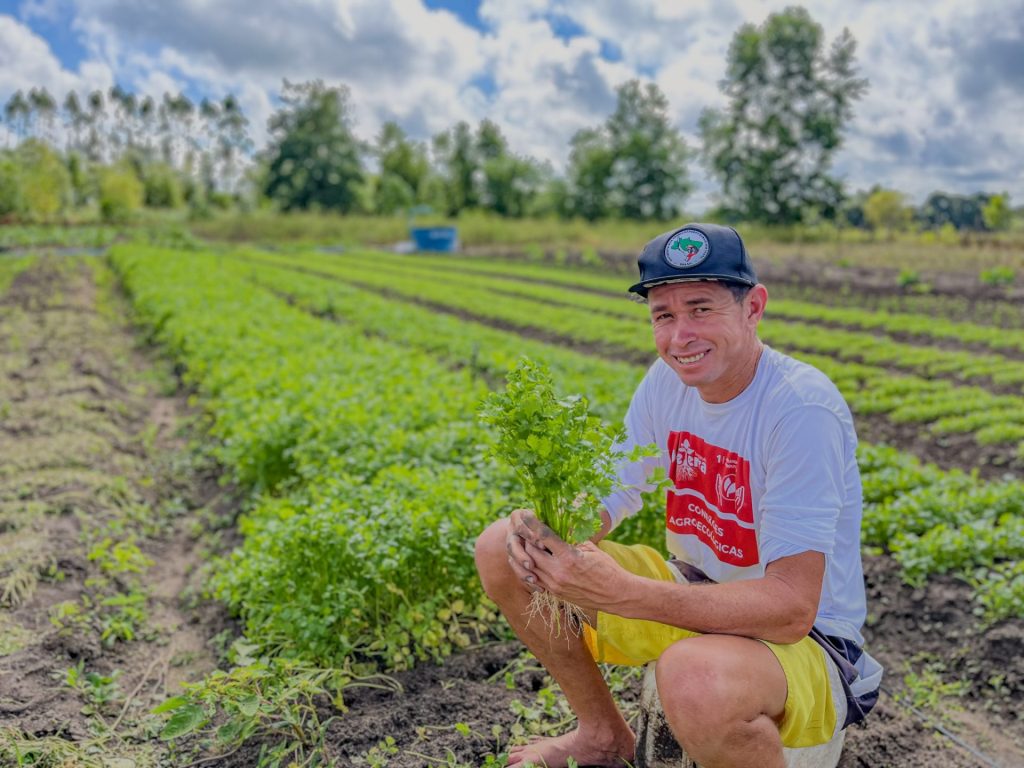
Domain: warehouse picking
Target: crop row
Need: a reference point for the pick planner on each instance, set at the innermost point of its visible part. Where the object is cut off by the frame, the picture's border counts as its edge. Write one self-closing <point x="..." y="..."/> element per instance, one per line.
<point x="794" y="332"/>
<point x="368" y="486"/>
<point x="923" y="326"/>
<point x="916" y="511"/>
<point x="10" y="268"/>
<point x="869" y="388"/>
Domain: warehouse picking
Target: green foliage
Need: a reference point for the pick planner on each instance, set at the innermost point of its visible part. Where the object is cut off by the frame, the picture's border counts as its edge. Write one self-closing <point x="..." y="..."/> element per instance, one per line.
<point x="635" y="166"/>
<point x="43" y="182"/>
<point x="121" y="193"/>
<point x="273" y="700"/>
<point x="1000" y="591"/>
<point x="887" y="209"/>
<point x="789" y="101"/>
<point x="313" y="158"/>
<point x="908" y="278"/>
<point x="997" y="212"/>
<point x="564" y="457"/>
<point x="368" y="549"/>
<point x="161" y="186"/>
<point x="928" y="689"/>
<point x="10" y="188"/>
<point x="404" y="168"/>
<point x="950" y="213"/>
<point x="366" y="499"/>
<point x="998" y="276"/>
<point x="458" y="158"/>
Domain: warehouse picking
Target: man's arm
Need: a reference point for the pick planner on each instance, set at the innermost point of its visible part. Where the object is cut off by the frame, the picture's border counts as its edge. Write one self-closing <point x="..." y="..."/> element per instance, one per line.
<point x="780" y="607"/>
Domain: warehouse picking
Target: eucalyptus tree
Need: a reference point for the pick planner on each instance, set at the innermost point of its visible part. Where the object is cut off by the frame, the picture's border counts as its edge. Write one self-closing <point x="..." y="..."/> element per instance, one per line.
<point x="789" y="100"/>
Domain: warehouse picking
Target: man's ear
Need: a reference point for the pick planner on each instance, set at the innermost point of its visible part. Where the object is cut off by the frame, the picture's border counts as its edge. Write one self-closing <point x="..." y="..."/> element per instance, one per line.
<point x="757" y="300"/>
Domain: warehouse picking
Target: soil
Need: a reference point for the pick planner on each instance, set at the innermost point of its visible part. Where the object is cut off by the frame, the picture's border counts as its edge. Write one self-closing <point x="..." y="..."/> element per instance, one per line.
<point x="90" y="448"/>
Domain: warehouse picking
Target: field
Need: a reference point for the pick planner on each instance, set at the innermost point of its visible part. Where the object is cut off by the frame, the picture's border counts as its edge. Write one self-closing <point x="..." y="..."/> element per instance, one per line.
<point x="239" y="488"/>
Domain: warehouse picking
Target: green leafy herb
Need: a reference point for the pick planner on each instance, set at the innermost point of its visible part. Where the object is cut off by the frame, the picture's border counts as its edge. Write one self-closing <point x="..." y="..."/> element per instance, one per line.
<point x="564" y="456"/>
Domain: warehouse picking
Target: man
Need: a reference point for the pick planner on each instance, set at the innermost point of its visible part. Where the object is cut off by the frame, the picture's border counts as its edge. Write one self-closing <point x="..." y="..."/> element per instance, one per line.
<point x="763" y="525"/>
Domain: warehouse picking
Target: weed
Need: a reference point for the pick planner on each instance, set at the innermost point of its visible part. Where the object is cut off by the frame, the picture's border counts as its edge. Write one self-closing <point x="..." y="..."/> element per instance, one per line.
<point x="928" y="690"/>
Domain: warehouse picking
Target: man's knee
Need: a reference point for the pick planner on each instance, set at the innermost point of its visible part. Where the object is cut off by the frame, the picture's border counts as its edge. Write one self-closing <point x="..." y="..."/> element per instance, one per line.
<point x="690" y="683"/>
<point x="712" y="679"/>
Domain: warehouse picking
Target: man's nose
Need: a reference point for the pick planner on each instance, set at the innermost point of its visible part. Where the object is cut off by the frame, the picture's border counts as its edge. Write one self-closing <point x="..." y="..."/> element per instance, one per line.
<point x="682" y="330"/>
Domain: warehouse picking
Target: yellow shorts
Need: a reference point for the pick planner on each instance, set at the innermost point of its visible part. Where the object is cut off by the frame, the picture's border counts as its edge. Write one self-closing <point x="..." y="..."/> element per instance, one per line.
<point x="810" y="714"/>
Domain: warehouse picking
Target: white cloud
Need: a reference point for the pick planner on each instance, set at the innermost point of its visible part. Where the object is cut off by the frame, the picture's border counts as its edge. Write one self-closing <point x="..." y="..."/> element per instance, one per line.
<point x="26" y="62"/>
<point x="943" y="110"/>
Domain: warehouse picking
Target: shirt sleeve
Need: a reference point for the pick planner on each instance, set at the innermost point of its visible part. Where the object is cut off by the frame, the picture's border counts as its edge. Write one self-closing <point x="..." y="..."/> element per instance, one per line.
<point x="633" y="476"/>
<point x="805" y="470"/>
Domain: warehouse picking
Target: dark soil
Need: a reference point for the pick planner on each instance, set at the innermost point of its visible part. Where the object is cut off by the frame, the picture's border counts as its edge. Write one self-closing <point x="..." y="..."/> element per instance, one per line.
<point x="91" y="448"/>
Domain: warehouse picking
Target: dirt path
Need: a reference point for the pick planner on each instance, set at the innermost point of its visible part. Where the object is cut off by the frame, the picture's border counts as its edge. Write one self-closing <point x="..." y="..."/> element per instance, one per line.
<point x="98" y="500"/>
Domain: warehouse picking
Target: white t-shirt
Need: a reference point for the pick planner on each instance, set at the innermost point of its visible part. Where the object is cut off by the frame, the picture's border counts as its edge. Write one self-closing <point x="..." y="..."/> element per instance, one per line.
<point x="768" y="474"/>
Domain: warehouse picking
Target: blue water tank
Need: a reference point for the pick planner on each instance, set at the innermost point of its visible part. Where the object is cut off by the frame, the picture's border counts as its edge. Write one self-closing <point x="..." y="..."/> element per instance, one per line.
<point x="444" y="239"/>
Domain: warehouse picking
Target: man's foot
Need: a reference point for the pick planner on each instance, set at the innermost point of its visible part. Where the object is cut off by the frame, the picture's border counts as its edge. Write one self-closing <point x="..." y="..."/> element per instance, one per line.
<point x="605" y="750"/>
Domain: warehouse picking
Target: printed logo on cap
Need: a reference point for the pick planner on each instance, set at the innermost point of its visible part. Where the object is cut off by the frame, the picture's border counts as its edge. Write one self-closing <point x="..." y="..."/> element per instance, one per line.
<point x="686" y="249"/>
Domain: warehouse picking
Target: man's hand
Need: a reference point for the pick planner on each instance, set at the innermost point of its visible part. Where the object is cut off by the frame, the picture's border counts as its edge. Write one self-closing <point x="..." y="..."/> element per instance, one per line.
<point x="524" y="527"/>
<point x="583" y="574"/>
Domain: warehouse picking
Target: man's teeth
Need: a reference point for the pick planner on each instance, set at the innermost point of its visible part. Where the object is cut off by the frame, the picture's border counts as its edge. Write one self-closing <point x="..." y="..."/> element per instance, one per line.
<point x="690" y="359"/>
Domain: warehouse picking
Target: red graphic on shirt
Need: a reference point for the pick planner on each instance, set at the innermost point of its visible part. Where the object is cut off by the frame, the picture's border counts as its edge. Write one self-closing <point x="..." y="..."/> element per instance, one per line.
<point x="711" y="499"/>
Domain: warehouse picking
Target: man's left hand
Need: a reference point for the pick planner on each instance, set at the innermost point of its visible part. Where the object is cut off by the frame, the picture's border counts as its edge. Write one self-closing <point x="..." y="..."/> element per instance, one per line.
<point x="583" y="575"/>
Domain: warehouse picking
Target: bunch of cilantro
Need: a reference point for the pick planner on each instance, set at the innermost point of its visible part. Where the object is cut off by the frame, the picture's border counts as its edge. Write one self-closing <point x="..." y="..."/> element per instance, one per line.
<point x="564" y="456"/>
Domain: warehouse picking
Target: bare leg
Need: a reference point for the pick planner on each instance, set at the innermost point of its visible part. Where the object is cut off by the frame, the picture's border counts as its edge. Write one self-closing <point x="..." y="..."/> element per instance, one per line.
<point x="724" y="698"/>
<point x="602" y="737"/>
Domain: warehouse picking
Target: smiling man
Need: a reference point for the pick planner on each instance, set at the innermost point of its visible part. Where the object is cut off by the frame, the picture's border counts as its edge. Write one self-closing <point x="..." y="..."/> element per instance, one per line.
<point x="755" y="619"/>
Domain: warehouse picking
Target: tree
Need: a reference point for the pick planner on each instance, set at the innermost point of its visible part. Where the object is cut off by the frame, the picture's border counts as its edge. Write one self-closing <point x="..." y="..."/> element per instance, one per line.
<point x="789" y="101"/>
<point x="997" y="213"/>
<point x="313" y="158"/>
<point x="512" y="184"/>
<point x="635" y="165"/>
<point x="507" y="183"/>
<point x="17" y="112"/>
<point x="455" y="153"/>
<point x="44" y="182"/>
<point x="959" y="211"/>
<point x="887" y="209"/>
<point x="10" y="188"/>
<point x="590" y="166"/>
<point x="403" y="168"/>
<point x="121" y="192"/>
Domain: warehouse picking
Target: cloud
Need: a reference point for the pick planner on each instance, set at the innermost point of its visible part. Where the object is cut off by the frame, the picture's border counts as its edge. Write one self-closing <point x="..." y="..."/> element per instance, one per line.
<point x="26" y="62"/>
<point x="943" y="110"/>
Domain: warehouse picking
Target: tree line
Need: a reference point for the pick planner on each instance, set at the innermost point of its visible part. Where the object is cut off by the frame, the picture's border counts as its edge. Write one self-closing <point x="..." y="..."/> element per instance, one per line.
<point x="789" y="97"/>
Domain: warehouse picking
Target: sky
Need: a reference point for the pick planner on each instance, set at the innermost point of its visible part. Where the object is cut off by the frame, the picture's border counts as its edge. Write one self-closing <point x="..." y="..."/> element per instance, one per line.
<point x="944" y="108"/>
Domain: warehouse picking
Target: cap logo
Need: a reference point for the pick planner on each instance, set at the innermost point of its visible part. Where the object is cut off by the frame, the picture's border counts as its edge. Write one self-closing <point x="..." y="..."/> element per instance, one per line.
<point x="686" y="249"/>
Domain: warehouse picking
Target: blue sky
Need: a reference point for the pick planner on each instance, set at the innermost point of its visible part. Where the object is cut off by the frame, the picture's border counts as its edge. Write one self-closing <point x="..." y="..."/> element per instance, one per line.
<point x="943" y="109"/>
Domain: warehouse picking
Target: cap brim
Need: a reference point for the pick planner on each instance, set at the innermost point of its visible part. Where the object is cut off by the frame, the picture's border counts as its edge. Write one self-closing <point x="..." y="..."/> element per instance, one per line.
<point x="644" y="287"/>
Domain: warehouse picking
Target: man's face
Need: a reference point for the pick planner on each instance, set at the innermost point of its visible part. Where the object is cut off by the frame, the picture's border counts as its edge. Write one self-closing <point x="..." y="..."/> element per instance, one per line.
<point x="706" y="336"/>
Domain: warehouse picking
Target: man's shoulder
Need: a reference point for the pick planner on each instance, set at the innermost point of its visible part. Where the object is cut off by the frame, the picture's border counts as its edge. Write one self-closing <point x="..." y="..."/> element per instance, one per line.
<point x="800" y="383"/>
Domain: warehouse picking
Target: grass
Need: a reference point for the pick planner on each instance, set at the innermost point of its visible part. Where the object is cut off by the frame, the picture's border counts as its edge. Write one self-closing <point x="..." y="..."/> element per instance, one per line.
<point x="580" y="241"/>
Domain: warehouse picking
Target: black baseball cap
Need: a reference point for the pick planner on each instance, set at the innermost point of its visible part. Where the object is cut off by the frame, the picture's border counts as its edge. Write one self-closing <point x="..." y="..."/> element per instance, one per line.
<point x="694" y="252"/>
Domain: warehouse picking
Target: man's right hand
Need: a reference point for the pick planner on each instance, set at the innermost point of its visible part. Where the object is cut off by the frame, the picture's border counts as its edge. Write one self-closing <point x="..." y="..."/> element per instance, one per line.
<point x="523" y="526"/>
